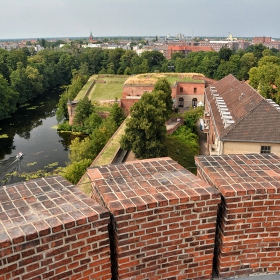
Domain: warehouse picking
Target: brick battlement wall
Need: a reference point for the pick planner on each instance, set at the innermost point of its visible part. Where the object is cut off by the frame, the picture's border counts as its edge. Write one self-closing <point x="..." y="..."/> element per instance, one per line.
<point x="163" y="219"/>
<point x="50" y="230"/>
<point x="148" y="219"/>
<point x="248" y="226"/>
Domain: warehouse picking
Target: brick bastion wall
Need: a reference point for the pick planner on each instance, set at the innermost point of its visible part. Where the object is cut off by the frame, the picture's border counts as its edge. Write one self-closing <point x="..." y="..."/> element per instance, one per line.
<point x="149" y="219"/>
<point x="248" y="224"/>
<point x="163" y="219"/>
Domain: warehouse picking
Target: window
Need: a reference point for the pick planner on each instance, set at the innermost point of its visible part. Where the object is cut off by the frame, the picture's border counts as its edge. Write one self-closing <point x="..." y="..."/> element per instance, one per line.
<point x="181" y="89"/>
<point x="181" y="102"/>
<point x="265" y="149"/>
<point x="194" y="102"/>
<point x="195" y="90"/>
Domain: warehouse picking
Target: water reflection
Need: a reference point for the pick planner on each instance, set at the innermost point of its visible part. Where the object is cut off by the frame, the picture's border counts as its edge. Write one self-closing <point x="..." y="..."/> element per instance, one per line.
<point x="30" y="131"/>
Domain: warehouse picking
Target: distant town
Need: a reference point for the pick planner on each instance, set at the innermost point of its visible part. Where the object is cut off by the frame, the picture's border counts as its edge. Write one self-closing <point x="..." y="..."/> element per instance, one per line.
<point x="167" y="45"/>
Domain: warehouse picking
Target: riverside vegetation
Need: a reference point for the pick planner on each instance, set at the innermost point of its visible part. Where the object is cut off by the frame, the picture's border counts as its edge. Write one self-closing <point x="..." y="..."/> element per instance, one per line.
<point x="25" y="75"/>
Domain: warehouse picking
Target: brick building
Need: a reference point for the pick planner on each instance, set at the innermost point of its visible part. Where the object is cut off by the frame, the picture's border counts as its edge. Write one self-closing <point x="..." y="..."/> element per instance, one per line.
<point x="185" y="49"/>
<point x="185" y="94"/>
<point x="239" y="120"/>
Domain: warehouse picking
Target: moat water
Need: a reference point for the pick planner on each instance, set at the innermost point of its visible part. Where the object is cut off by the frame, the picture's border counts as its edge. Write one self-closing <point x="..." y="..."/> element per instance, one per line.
<point x="32" y="131"/>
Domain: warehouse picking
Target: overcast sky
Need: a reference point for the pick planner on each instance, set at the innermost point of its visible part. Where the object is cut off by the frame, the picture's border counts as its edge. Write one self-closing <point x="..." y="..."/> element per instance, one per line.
<point x="77" y="18"/>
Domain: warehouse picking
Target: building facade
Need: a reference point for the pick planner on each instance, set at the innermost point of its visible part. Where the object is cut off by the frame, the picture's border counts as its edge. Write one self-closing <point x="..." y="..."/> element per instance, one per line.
<point x="185" y="94"/>
<point x="238" y="120"/>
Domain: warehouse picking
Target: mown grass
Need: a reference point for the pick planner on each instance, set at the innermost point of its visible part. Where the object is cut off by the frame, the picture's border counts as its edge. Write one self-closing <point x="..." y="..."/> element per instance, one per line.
<point x="172" y="80"/>
<point x="82" y="92"/>
<point x="110" y="90"/>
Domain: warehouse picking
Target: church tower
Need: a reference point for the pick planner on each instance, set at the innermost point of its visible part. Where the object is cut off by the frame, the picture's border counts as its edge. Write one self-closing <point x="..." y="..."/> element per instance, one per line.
<point x="90" y="38"/>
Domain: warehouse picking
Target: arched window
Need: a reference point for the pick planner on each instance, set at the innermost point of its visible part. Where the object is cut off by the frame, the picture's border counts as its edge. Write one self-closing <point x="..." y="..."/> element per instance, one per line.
<point x="181" y="102"/>
<point x="194" y="102"/>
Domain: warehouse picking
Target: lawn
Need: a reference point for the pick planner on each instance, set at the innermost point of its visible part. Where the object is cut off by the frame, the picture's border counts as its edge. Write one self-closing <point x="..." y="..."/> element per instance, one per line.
<point x="173" y="79"/>
<point x="82" y="92"/>
<point x="110" y="90"/>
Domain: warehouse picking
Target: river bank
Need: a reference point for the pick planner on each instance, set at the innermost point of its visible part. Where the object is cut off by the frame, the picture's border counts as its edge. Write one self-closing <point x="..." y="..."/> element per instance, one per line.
<point x="32" y="130"/>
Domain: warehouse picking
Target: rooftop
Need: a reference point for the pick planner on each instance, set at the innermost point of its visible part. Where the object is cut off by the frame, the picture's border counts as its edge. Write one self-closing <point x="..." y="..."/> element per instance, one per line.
<point x="248" y="109"/>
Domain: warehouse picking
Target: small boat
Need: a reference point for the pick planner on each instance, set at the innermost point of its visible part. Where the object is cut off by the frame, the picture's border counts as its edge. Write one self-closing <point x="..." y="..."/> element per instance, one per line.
<point x="19" y="155"/>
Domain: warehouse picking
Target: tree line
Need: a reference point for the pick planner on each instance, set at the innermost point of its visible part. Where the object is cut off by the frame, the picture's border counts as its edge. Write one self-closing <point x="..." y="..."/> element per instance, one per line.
<point x="25" y="75"/>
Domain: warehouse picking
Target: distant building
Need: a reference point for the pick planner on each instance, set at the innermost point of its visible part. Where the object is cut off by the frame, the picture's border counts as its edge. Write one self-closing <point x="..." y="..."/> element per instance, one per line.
<point x="218" y="45"/>
<point x="267" y="42"/>
<point x="261" y="40"/>
<point x="90" y="38"/>
<point x="239" y="120"/>
<point x="9" y="45"/>
<point x="186" y="49"/>
<point x="38" y="48"/>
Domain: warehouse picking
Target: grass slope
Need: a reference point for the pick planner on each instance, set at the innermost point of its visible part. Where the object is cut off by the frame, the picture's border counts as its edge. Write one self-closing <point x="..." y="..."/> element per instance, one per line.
<point x="110" y="90"/>
<point x="82" y="92"/>
<point x="181" y="153"/>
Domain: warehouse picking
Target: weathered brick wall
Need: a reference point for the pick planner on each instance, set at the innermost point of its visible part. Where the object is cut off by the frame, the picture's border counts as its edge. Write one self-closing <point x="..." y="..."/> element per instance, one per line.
<point x="163" y="219"/>
<point x="50" y="230"/>
<point x="248" y="225"/>
<point x="126" y="104"/>
<point x="136" y="90"/>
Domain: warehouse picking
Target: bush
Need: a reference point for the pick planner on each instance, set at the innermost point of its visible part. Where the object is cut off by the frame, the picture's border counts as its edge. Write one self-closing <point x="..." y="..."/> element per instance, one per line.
<point x="64" y="127"/>
<point x="76" y="170"/>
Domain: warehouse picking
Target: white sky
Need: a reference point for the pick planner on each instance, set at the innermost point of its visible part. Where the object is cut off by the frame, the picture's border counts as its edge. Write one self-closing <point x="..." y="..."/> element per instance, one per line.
<point x="77" y="18"/>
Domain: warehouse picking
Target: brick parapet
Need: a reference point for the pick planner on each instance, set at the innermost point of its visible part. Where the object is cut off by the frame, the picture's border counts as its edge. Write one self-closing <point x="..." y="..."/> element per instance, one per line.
<point x="163" y="219"/>
<point x="248" y="223"/>
<point x="51" y="230"/>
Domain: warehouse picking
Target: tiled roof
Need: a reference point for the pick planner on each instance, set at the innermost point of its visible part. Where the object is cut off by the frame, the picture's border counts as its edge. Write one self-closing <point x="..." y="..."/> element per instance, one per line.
<point x="261" y="125"/>
<point x="147" y="182"/>
<point x="231" y="173"/>
<point x="250" y="112"/>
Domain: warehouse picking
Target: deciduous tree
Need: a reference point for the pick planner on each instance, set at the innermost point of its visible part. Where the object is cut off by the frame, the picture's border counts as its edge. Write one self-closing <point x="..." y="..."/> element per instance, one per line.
<point x="146" y="132"/>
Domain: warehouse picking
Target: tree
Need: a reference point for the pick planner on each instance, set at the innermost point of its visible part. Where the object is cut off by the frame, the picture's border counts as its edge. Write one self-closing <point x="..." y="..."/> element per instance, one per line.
<point x="16" y="56"/>
<point x="92" y="123"/>
<point x="264" y="78"/>
<point x="19" y="83"/>
<point x="225" y="54"/>
<point x="163" y="85"/>
<point x="8" y="99"/>
<point x="145" y="131"/>
<point x="76" y="170"/>
<point x="117" y="114"/>
<point x="247" y="61"/>
<point x="81" y="149"/>
<point x="83" y="110"/>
